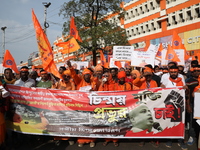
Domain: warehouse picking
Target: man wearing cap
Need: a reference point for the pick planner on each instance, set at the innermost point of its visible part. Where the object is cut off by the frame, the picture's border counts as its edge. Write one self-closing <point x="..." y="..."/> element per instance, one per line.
<point x="148" y="82"/>
<point x="24" y="80"/>
<point x="44" y="82"/>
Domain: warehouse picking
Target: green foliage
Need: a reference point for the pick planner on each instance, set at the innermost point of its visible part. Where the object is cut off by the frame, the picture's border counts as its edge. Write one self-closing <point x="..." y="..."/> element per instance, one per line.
<point x="95" y="30"/>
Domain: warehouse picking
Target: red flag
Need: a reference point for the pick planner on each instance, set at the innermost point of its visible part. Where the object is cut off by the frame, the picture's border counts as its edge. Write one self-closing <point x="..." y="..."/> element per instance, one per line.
<point x="171" y="55"/>
<point x="73" y="30"/>
<point x="44" y="47"/>
<point x="9" y="61"/>
<point x="159" y="52"/>
<point x="118" y="64"/>
<point x="177" y="44"/>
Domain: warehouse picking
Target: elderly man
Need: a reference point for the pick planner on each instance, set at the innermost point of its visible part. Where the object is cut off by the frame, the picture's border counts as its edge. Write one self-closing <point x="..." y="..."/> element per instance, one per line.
<point x="24" y="80"/>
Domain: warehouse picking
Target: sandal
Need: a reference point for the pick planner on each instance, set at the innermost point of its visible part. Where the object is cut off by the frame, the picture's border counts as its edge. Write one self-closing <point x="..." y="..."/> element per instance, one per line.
<point x="116" y="144"/>
<point x="105" y="143"/>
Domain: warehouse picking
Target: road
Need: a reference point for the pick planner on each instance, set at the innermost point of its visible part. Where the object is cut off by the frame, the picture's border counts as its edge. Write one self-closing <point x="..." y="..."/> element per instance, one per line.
<point x="124" y="144"/>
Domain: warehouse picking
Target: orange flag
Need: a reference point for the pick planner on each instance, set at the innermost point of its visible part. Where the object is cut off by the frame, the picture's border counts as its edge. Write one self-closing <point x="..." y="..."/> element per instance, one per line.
<point x="9" y="61"/>
<point x="118" y="64"/>
<point x="159" y="52"/>
<point x="73" y="31"/>
<point x="103" y="60"/>
<point x="44" y="47"/>
<point x="69" y="46"/>
<point x="83" y="58"/>
<point x="171" y="55"/>
<point x="177" y="44"/>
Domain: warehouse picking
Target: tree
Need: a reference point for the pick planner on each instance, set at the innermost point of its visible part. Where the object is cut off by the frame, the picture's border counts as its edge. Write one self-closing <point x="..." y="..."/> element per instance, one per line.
<point x="96" y="31"/>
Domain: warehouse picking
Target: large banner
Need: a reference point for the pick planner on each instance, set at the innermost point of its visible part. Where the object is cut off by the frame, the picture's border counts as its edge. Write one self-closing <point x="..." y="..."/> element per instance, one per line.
<point x="152" y="113"/>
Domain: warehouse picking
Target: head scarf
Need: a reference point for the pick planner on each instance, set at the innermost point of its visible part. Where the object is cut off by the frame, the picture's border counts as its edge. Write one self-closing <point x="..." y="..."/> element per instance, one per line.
<point x="136" y="72"/>
<point x="86" y="71"/>
<point x="67" y="72"/>
<point x="121" y="74"/>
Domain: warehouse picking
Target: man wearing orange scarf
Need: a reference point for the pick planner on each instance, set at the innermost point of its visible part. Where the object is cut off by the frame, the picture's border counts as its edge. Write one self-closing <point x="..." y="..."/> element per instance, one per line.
<point x="148" y="82"/>
<point x="173" y="80"/>
<point x="66" y="83"/>
<point x="84" y="80"/>
<point x="122" y="85"/>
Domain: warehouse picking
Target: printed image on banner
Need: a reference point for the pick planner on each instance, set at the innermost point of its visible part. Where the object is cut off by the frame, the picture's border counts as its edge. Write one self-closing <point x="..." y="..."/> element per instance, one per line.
<point x="152" y="113"/>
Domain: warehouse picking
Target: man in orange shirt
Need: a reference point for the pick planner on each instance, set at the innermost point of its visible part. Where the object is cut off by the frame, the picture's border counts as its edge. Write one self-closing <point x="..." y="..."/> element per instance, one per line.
<point x="66" y="84"/>
<point x="122" y="85"/>
<point x="148" y="82"/>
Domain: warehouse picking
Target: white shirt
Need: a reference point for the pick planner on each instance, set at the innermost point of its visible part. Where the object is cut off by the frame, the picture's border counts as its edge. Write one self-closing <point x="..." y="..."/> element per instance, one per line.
<point x="165" y="80"/>
<point x="28" y="83"/>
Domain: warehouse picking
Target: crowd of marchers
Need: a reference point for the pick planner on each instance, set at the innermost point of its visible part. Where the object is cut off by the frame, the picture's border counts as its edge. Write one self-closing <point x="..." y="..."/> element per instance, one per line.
<point x="98" y="78"/>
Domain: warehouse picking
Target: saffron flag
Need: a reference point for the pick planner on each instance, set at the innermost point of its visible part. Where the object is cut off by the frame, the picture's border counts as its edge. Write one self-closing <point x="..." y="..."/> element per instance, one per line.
<point x="73" y="30"/>
<point x="177" y="44"/>
<point x="103" y="59"/>
<point x="83" y="58"/>
<point x="69" y="46"/>
<point x="9" y="61"/>
<point x="44" y="48"/>
<point x="171" y="54"/>
<point x="159" y="52"/>
<point x="118" y="64"/>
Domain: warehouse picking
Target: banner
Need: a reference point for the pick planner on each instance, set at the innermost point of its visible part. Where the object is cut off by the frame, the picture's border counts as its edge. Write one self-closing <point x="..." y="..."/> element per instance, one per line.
<point x="122" y="53"/>
<point x="141" y="58"/>
<point x="152" y="113"/>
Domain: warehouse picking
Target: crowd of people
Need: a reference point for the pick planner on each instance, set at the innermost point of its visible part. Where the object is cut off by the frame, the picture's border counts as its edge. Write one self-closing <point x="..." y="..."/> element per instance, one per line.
<point x="99" y="78"/>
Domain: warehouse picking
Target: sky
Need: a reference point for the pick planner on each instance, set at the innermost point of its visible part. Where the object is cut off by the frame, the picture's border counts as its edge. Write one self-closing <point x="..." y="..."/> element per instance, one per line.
<point x="20" y="37"/>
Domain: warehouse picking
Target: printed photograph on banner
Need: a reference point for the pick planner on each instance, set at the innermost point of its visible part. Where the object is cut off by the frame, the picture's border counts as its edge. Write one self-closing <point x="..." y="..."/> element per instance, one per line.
<point x="122" y="53"/>
<point x="140" y="59"/>
<point x="153" y="113"/>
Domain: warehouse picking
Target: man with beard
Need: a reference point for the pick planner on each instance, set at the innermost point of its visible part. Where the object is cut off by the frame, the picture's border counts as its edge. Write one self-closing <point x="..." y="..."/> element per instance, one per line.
<point x="66" y="83"/>
<point x="24" y="80"/>
<point x="98" y="72"/>
<point x="148" y="82"/>
<point x="84" y="80"/>
<point x="129" y="78"/>
<point x="122" y="85"/>
<point x="114" y="72"/>
<point x="173" y="81"/>
<point x="45" y="82"/>
<point x="154" y="76"/>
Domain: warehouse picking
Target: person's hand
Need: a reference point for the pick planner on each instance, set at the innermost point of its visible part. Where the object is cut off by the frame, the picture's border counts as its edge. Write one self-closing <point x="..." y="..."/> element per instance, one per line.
<point x="185" y="87"/>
